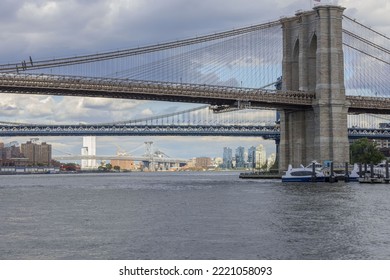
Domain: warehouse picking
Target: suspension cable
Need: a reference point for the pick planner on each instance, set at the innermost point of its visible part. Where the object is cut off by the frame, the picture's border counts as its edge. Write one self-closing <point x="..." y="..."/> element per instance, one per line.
<point x="41" y="64"/>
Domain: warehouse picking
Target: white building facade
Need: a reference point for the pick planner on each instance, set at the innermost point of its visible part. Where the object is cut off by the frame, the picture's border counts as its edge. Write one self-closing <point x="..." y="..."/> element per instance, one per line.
<point x="89" y="149"/>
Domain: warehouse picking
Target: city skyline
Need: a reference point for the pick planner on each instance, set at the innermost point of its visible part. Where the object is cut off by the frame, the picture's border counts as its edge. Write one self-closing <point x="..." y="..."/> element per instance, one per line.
<point x="42" y="29"/>
<point x="216" y="152"/>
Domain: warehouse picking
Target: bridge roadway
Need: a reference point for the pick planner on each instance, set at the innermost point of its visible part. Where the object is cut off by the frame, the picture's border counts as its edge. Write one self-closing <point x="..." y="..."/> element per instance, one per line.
<point x="267" y="132"/>
<point x="146" y="90"/>
<point x="264" y="131"/>
<point x="175" y="92"/>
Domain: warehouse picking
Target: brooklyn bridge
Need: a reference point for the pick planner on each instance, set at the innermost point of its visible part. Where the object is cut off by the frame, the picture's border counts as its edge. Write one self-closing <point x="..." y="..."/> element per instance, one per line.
<point x="320" y="69"/>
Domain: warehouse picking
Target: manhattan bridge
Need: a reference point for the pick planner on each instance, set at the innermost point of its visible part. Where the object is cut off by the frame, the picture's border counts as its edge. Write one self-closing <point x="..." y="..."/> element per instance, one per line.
<point x="243" y="75"/>
<point x="198" y="121"/>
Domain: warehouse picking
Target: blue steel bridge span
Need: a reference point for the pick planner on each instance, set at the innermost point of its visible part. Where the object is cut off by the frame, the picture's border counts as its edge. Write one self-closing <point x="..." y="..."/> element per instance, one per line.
<point x="269" y="132"/>
<point x="198" y="121"/>
<point x="266" y="131"/>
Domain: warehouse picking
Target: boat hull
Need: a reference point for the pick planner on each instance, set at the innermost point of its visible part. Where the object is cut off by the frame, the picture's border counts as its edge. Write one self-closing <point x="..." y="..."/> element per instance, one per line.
<point x="303" y="179"/>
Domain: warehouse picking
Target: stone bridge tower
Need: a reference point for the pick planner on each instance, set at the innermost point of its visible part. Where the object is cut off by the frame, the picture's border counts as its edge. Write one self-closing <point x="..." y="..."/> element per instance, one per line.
<point x="313" y="61"/>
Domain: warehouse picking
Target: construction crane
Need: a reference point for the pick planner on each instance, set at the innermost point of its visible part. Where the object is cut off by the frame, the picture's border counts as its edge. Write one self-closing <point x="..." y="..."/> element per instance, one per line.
<point x="120" y="151"/>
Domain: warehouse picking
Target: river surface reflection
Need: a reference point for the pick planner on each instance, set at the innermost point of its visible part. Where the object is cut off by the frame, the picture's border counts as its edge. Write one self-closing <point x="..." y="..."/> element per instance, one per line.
<point x="190" y="216"/>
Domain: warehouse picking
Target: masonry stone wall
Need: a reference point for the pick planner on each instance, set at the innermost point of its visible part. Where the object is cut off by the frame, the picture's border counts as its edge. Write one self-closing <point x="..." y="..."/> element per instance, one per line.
<point x="313" y="61"/>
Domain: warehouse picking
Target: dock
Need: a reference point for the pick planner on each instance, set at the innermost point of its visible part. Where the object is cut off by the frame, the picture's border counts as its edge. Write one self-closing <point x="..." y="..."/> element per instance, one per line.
<point x="374" y="180"/>
<point x="367" y="174"/>
<point x="373" y="176"/>
<point x="369" y="180"/>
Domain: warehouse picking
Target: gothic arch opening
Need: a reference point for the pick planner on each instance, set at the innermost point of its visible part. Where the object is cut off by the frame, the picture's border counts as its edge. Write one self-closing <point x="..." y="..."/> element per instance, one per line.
<point x="312" y="64"/>
<point x="295" y="68"/>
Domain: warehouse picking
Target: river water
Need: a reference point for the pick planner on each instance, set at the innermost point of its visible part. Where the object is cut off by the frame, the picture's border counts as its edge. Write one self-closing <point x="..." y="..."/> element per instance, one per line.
<point x="190" y="216"/>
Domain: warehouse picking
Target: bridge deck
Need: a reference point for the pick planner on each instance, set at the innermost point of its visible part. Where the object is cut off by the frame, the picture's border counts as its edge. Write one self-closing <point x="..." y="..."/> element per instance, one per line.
<point x="162" y="91"/>
<point x="143" y="90"/>
<point x="265" y="131"/>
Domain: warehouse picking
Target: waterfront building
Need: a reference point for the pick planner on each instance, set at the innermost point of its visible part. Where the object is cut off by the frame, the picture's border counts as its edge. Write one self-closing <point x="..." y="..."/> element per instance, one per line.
<point x="190" y="164"/>
<point x="251" y="156"/>
<point x="217" y="162"/>
<point x="203" y="162"/>
<point x="89" y="149"/>
<point x="382" y="143"/>
<point x="1" y="153"/>
<point x="10" y="155"/>
<point x="271" y="161"/>
<point x="124" y="164"/>
<point x="227" y="158"/>
<point x="240" y="157"/>
<point x="37" y="154"/>
<point x="44" y="155"/>
<point x="260" y="157"/>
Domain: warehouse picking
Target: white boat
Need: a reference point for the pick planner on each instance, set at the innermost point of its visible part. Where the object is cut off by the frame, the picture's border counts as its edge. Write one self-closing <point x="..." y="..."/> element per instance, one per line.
<point x="304" y="174"/>
<point x="380" y="169"/>
<point x="354" y="174"/>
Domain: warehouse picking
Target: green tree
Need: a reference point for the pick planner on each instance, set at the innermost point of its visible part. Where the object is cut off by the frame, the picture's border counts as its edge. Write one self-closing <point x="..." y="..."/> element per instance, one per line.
<point x="117" y="168"/>
<point x="365" y="151"/>
<point x="108" y="166"/>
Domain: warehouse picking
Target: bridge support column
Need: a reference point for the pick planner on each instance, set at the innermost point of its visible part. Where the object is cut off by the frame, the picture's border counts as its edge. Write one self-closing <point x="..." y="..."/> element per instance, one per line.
<point x="313" y="61"/>
<point x="297" y="138"/>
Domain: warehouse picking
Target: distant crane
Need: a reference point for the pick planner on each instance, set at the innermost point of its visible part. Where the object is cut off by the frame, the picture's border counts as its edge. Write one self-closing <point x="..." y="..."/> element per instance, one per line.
<point x="120" y="151"/>
<point x="34" y="140"/>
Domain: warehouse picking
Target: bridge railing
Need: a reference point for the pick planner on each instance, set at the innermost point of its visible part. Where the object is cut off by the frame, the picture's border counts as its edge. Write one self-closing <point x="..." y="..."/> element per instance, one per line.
<point x="125" y="88"/>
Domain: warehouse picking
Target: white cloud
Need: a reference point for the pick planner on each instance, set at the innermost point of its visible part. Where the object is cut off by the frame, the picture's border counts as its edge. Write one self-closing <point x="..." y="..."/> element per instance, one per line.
<point x="47" y="109"/>
<point x="374" y="14"/>
<point x="147" y="112"/>
<point x="63" y="27"/>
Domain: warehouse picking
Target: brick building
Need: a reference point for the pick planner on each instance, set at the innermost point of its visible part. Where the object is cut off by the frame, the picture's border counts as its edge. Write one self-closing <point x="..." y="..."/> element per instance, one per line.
<point x="10" y="155"/>
<point x="37" y="154"/>
<point x="203" y="162"/>
<point x="124" y="164"/>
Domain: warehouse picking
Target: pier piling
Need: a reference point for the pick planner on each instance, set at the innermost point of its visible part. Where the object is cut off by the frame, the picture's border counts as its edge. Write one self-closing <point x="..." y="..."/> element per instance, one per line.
<point x="346" y="175"/>
<point x="313" y="172"/>
<point x="372" y="170"/>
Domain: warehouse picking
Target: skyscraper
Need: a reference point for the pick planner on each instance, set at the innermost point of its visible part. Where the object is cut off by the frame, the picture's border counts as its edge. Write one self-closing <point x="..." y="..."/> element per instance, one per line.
<point x="227" y="158"/>
<point x="240" y="157"/>
<point x="261" y="157"/>
<point x="88" y="149"/>
<point x="271" y="161"/>
<point x="251" y="157"/>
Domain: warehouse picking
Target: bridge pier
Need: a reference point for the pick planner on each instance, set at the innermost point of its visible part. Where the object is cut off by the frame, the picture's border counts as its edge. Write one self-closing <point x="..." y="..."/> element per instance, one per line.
<point x="297" y="137"/>
<point x="313" y="61"/>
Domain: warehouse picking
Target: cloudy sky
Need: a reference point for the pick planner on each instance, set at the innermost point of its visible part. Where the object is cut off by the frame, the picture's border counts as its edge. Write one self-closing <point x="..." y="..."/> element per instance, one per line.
<point x="57" y="28"/>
